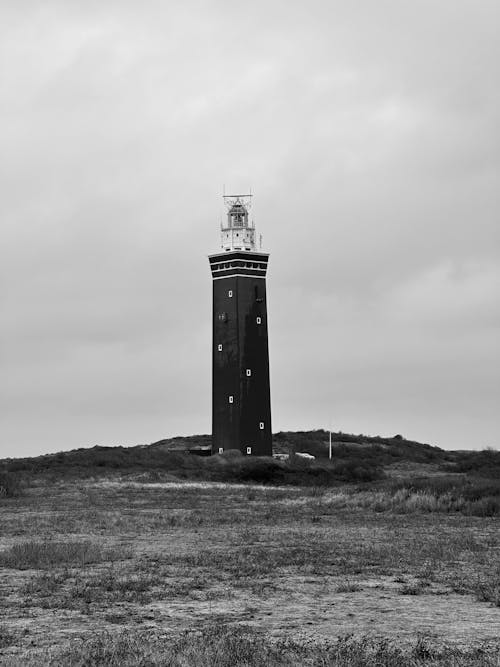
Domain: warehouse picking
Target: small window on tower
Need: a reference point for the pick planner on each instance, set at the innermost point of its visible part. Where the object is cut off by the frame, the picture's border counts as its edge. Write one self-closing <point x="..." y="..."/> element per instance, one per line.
<point x="219" y="347"/>
<point x="259" y="320"/>
<point x="221" y="449"/>
<point x="249" y="450"/>
<point x="231" y="400"/>
<point x="261" y="426"/>
<point x="249" y="372"/>
<point x="230" y="293"/>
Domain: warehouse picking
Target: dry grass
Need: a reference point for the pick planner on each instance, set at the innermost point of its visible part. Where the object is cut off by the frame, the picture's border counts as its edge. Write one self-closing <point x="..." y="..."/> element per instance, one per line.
<point x="51" y="553"/>
<point x="348" y="586"/>
<point x="7" y="637"/>
<point x="410" y="501"/>
<point x="219" y="646"/>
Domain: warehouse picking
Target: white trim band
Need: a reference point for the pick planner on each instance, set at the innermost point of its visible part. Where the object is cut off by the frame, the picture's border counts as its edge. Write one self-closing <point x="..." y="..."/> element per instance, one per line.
<point x="238" y="275"/>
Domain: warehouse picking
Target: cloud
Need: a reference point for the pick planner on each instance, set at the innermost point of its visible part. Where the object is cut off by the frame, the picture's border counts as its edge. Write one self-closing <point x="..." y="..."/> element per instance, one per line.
<point x="368" y="132"/>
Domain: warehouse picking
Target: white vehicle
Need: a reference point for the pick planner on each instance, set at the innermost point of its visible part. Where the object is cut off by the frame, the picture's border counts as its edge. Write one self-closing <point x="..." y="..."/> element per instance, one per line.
<point x="305" y="455"/>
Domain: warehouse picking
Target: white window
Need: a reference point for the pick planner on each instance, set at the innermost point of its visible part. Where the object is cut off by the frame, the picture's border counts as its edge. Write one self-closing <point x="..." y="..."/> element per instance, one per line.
<point x="231" y="400"/>
<point x="230" y="293"/>
<point x="249" y="372"/>
<point x="221" y="449"/>
<point x="219" y="347"/>
<point x="259" y="320"/>
<point x="261" y="426"/>
<point x="249" y="450"/>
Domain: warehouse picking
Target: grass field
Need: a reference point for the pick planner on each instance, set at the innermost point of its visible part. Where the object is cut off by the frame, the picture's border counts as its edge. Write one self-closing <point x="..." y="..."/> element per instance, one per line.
<point x="138" y="569"/>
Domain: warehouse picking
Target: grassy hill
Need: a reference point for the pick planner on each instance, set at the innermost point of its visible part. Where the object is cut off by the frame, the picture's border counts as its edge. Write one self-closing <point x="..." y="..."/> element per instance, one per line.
<point x="355" y="458"/>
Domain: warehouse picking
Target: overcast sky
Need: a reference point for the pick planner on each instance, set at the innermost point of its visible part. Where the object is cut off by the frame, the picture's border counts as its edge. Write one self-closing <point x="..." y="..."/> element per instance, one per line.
<point x="369" y="134"/>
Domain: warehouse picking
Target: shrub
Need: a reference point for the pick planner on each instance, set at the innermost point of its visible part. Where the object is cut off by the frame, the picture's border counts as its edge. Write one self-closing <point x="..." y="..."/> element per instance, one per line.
<point x="489" y="506"/>
<point x="264" y="471"/>
<point x="356" y="471"/>
<point x="485" y="463"/>
<point x="10" y="485"/>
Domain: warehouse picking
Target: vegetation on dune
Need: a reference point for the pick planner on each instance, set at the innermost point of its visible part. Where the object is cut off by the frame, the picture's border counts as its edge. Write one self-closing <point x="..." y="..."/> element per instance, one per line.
<point x="297" y="471"/>
<point x="349" y="452"/>
<point x="466" y="482"/>
<point x="485" y="463"/>
<point x="383" y="451"/>
<point x="106" y="460"/>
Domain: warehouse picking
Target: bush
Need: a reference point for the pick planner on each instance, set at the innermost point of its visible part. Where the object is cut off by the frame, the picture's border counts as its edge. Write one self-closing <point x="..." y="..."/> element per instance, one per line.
<point x="356" y="471"/>
<point x="485" y="463"/>
<point x="10" y="485"/>
<point x="489" y="506"/>
<point x="263" y="471"/>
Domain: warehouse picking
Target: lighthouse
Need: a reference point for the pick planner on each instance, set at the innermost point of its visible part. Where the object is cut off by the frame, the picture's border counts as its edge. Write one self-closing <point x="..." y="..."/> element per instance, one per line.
<point x="241" y="401"/>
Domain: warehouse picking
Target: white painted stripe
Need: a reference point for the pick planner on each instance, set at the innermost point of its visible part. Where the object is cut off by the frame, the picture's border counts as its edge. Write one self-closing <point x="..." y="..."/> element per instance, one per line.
<point x="238" y="275"/>
<point x="226" y="256"/>
<point x="255" y="268"/>
<point x="237" y="262"/>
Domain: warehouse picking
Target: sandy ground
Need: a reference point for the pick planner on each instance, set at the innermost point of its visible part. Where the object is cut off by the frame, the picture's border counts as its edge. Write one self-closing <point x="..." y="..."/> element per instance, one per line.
<point x="287" y="601"/>
<point x="302" y="607"/>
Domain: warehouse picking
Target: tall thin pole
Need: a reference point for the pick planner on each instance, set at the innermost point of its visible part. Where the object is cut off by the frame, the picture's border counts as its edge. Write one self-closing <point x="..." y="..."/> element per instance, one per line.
<point x="330" y="445"/>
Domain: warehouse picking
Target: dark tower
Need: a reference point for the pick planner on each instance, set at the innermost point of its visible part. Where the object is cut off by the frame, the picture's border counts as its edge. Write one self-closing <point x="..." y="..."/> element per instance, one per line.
<point x="241" y="402"/>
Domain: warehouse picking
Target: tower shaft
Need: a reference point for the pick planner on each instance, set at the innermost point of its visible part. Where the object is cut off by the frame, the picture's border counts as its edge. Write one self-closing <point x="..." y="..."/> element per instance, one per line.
<point x="241" y="404"/>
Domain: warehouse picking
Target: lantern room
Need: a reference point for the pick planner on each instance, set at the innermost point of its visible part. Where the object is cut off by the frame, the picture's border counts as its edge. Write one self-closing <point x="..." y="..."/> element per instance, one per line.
<point x="238" y="233"/>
